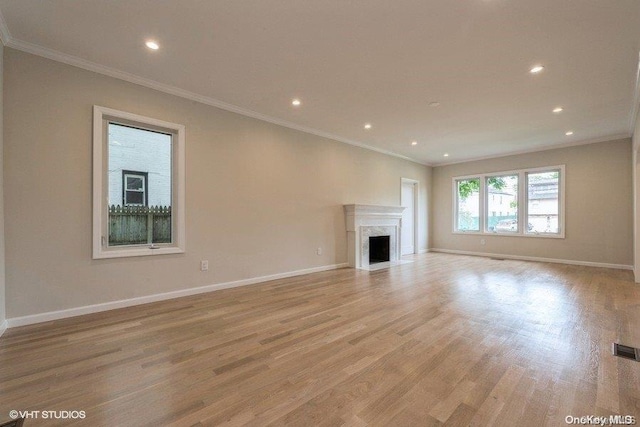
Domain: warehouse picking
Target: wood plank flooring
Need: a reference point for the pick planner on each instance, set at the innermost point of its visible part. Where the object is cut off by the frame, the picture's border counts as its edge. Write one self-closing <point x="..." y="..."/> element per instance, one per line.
<point x="445" y="340"/>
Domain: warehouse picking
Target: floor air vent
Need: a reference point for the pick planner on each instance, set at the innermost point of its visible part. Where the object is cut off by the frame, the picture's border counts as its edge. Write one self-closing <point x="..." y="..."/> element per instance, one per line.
<point x="13" y="423"/>
<point x="626" y="352"/>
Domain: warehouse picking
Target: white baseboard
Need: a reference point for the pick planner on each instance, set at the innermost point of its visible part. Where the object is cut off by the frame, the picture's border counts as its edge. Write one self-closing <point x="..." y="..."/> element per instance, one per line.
<point x="423" y="251"/>
<point x="533" y="258"/>
<point x="3" y="327"/>
<point x="96" y="308"/>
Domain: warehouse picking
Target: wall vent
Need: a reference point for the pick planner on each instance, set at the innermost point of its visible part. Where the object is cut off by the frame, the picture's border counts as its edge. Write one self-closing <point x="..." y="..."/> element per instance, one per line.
<point x="626" y="352"/>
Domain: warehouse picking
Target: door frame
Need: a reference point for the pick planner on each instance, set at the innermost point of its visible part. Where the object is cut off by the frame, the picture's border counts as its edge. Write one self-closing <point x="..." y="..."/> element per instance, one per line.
<point x="416" y="192"/>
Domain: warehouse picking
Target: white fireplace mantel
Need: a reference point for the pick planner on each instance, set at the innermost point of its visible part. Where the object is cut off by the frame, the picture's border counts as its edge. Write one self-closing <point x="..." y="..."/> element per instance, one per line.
<point x="364" y="221"/>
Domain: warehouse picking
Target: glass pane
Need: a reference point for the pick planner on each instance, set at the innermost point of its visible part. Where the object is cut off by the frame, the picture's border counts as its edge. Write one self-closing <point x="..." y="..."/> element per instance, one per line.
<point x="134" y="198"/>
<point x="468" y="213"/>
<point x="502" y="204"/>
<point x="147" y="152"/>
<point x="134" y="183"/>
<point x="543" y="203"/>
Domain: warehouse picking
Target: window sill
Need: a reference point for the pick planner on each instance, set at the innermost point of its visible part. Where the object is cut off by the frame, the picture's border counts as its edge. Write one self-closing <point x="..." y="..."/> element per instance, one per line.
<point x="132" y="252"/>
<point x="480" y="233"/>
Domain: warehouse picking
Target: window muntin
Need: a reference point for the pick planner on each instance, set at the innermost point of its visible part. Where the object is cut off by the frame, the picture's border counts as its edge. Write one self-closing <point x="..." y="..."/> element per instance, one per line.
<point x="543" y="196"/>
<point x="502" y="202"/>
<point x="541" y="215"/>
<point x="468" y="204"/>
<point x="137" y="213"/>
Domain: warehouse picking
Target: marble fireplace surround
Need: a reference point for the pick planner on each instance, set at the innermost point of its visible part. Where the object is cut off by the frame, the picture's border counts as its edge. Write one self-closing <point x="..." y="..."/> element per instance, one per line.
<point x="364" y="221"/>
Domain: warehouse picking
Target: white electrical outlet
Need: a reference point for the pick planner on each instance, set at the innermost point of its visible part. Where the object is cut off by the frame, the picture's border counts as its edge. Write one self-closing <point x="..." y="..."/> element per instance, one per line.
<point x="482" y="241"/>
<point x="204" y="265"/>
<point x="319" y="251"/>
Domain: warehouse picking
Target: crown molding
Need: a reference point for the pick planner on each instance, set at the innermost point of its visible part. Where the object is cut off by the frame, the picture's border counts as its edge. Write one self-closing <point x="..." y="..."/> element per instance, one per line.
<point x="5" y="35"/>
<point x="173" y="90"/>
<point x="32" y="48"/>
<point x="538" y="149"/>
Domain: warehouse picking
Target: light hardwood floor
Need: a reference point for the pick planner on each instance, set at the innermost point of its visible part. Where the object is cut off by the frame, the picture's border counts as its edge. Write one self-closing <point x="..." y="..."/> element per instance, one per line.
<point x="446" y="339"/>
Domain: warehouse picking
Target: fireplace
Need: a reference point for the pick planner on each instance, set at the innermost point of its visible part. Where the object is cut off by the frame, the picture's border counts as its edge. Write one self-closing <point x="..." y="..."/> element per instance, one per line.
<point x="369" y="226"/>
<point x="379" y="249"/>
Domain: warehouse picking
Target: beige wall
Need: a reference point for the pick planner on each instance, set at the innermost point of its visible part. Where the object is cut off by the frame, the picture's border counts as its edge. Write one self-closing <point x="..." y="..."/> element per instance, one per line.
<point x="598" y="205"/>
<point x="260" y="198"/>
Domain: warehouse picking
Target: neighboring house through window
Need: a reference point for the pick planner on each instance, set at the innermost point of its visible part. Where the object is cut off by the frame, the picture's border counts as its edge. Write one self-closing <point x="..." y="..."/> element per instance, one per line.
<point x="134" y="188"/>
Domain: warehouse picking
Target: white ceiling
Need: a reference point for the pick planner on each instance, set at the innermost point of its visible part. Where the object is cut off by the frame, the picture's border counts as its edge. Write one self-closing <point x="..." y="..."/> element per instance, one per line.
<point x="378" y="61"/>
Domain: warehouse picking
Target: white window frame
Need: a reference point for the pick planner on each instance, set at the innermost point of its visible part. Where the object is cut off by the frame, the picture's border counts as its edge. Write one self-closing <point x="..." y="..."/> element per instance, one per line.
<point x="523" y="205"/>
<point x="561" y="202"/>
<point x="485" y="220"/>
<point x="456" y="200"/>
<point x="125" y="189"/>
<point x="102" y="116"/>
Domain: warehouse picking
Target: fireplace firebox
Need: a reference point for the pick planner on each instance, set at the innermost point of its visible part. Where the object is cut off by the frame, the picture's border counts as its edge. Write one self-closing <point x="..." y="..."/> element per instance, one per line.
<point x="379" y="249"/>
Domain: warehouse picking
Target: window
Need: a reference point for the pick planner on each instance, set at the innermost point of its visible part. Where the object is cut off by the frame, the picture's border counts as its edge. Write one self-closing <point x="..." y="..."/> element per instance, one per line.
<point x="504" y="199"/>
<point x="134" y="188"/>
<point x="467" y="193"/>
<point x="543" y="189"/>
<point x="138" y="185"/>
<point x="528" y="202"/>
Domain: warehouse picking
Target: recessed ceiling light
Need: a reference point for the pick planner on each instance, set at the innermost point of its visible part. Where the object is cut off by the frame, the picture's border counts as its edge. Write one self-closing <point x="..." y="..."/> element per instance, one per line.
<point x="434" y="104"/>
<point x="569" y="133"/>
<point x="446" y="154"/>
<point x="296" y="102"/>
<point x="558" y="110"/>
<point x="367" y="126"/>
<point x="536" y="69"/>
<point x="414" y="142"/>
<point x="152" y="45"/>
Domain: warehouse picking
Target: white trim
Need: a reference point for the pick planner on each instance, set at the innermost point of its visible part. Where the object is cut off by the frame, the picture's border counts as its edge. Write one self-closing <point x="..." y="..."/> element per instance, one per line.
<point x="510" y="172"/>
<point x="562" y="226"/>
<point x="538" y="149"/>
<point x="361" y="217"/>
<point x="100" y="114"/>
<point x="75" y="61"/>
<point x="514" y="234"/>
<point x="173" y="90"/>
<point x="138" y="251"/>
<point x="3" y="327"/>
<point x="522" y="201"/>
<point x="416" y="195"/>
<point x="424" y="250"/>
<point x="96" y="308"/>
<point x="455" y="200"/>
<point x="533" y="258"/>
<point x="5" y="35"/>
